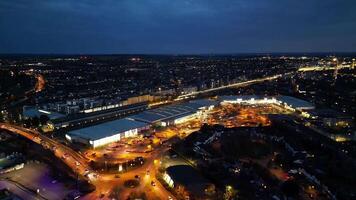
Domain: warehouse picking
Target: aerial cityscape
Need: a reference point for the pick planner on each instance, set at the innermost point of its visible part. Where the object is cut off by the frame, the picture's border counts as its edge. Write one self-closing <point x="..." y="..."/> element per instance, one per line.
<point x="177" y="100"/>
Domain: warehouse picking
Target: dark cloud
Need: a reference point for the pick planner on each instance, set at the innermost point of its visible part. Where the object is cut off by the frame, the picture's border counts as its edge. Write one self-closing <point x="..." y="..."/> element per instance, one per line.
<point x="176" y="26"/>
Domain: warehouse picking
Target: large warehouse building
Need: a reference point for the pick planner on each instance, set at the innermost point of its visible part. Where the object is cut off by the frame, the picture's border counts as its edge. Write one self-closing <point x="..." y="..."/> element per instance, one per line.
<point x="105" y="133"/>
<point x="286" y="101"/>
<point x="113" y="131"/>
<point x="175" y="114"/>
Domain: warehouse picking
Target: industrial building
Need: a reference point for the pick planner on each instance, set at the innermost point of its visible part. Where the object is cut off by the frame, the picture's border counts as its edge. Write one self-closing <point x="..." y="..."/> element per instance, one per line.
<point x="286" y="101"/>
<point x="31" y="112"/>
<point x="175" y="114"/>
<point x="92" y="117"/>
<point x="105" y="133"/>
<point x="295" y="103"/>
<point x="113" y="131"/>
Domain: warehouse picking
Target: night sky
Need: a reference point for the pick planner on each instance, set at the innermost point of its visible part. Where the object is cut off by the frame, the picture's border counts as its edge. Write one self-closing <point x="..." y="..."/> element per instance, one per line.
<point x="177" y="26"/>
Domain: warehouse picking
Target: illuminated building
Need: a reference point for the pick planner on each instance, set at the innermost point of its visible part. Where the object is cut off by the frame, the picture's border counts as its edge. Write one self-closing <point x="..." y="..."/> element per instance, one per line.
<point x="106" y="133"/>
<point x="175" y="114"/>
<point x="31" y="112"/>
<point x="87" y="118"/>
<point x="186" y="177"/>
<point x="331" y="118"/>
<point x="288" y="102"/>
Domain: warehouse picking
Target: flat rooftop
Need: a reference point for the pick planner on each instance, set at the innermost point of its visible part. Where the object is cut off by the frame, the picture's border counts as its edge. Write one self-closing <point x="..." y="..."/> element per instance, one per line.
<point x="295" y="102"/>
<point x="107" y="129"/>
<point x="172" y="111"/>
<point x="242" y="97"/>
<point x="291" y="101"/>
<point x="35" y="112"/>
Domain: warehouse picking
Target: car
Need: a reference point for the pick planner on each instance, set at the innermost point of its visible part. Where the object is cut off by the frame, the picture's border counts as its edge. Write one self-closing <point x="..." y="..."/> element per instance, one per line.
<point x="137" y="177"/>
<point x="153" y="183"/>
<point x="170" y="198"/>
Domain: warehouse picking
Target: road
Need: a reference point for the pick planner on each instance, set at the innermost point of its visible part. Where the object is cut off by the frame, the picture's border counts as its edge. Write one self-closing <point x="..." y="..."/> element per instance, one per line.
<point x="40" y="84"/>
<point x="104" y="182"/>
<point x="323" y="68"/>
<point x="239" y="84"/>
<point x="69" y="156"/>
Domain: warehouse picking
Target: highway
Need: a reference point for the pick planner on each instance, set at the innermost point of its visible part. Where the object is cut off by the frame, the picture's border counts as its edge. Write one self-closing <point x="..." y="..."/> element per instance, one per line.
<point x="239" y="84"/>
<point x="40" y="84"/>
<point x="69" y="156"/>
<point x="322" y="68"/>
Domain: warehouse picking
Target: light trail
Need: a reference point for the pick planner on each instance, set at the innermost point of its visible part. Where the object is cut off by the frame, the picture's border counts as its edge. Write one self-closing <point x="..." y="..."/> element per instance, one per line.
<point x="59" y="150"/>
<point x="40" y="84"/>
<point x="322" y="68"/>
<point x="240" y="84"/>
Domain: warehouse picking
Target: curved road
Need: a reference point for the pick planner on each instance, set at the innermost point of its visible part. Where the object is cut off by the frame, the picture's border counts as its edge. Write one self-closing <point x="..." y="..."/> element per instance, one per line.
<point x="104" y="182"/>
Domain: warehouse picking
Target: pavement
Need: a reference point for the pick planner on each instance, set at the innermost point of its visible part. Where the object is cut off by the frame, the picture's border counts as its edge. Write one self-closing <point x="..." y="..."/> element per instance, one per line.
<point x="19" y="190"/>
<point x="35" y="176"/>
<point x="107" y="182"/>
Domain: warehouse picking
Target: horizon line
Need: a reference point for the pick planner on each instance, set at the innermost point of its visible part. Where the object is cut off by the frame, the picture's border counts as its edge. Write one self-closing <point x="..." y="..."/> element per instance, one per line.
<point x="174" y="54"/>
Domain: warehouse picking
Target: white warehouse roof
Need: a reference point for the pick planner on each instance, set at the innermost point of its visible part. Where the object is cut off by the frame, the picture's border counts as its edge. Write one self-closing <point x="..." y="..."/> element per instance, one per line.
<point x="107" y="129"/>
<point x="295" y="102"/>
<point x="172" y="111"/>
<point x="290" y="101"/>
